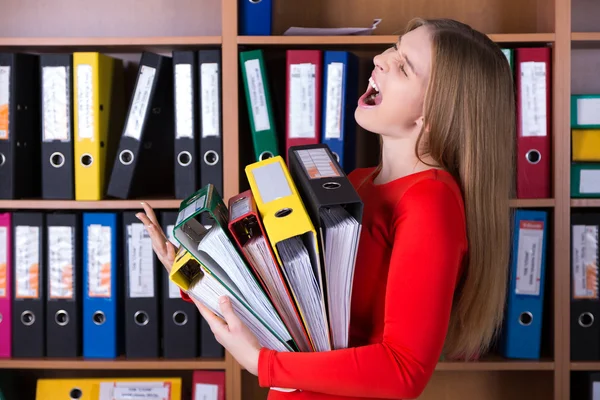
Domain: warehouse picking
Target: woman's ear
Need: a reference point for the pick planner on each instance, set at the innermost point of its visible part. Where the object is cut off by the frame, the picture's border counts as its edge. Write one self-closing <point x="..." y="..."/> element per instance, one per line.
<point x="421" y="123"/>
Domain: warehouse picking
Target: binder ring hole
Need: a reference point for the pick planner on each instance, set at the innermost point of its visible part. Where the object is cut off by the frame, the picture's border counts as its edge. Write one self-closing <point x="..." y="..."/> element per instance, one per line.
<point x="75" y="394"/>
<point x="264" y="155"/>
<point x="255" y="1"/>
<point x="337" y="157"/>
<point x="57" y="160"/>
<point x="533" y="156"/>
<point x="586" y="320"/>
<point x="27" y="318"/>
<point x="284" y="212"/>
<point x="2" y="159"/>
<point x="141" y="318"/>
<point x="180" y="318"/>
<point x="87" y="160"/>
<point x="99" y="318"/>
<point x="126" y="157"/>
<point x="526" y="318"/>
<point x="184" y="158"/>
<point x="61" y="317"/>
<point x="211" y="157"/>
<point x="331" y="185"/>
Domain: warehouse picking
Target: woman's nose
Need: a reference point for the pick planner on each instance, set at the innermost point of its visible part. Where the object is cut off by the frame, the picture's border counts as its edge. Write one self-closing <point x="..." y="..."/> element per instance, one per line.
<point x="380" y="63"/>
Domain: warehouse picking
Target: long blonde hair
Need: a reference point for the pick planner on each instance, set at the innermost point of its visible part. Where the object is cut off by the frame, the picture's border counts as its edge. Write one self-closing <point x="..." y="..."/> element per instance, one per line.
<point x="469" y="111"/>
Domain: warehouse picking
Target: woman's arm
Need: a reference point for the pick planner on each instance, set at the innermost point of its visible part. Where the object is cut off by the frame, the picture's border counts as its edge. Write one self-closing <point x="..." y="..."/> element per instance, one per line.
<point x="428" y="247"/>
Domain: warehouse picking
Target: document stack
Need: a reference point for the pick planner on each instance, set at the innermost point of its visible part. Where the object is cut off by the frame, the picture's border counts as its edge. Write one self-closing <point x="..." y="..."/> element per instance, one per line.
<point x="283" y="251"/>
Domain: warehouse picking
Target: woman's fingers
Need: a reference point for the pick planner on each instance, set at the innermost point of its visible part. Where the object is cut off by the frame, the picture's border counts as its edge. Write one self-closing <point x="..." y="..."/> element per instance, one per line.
<point x="150" y="213"/>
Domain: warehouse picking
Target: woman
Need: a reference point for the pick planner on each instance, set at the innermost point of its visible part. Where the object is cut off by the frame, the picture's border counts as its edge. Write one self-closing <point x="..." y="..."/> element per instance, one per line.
<point x="432" y="265"/>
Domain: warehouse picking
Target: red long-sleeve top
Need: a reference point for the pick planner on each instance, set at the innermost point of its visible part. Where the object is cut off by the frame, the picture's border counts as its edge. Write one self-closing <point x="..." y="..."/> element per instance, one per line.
<point x="411" y="251"/>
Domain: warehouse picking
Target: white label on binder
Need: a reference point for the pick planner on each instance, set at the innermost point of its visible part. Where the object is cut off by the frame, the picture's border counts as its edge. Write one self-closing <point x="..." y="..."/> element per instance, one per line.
<point x="596" y="390"/>
<point x="191" y="209"/>
<point x="209" y="75"/>
<point x="4" y="101"/>
<point x="99" y="266"/>
<point x="585" y="261"/>
<point x="141" y="261"/>
<point x="318" y="164"/>
<point x="135" y="390"/>
<point x="529" y="262"/>
<point x="3" y="261"/>
<point x="302" y="101"/>
<point x="206" y="391"/>
<point x="27" y="262"/>
<point x="55" y="103"/>
<point x="139" y="106"/>
<point x="588" y="111"/>
<point x="85" y="102"/>
<point x="60" y="261"/>
<point x="184" y="92"/>
<point x="240" y="207"/>
<point x="333" y="117"/>
<point x="589" y="181"/>
<point x="258" y="99"/>
<point x="271" y="183"/>
<point x="533" y="99"/>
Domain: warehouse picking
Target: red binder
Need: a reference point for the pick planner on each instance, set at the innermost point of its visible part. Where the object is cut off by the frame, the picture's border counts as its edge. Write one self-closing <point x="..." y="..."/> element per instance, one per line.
<point x="533" y="83"/>
<point x="303" y="94"/>
<point x="5" y="284"/>
<point x="208" y="385"/>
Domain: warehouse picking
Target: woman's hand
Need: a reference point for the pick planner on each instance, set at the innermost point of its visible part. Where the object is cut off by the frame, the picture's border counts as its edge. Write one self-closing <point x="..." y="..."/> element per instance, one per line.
<point x="163" y="248"/>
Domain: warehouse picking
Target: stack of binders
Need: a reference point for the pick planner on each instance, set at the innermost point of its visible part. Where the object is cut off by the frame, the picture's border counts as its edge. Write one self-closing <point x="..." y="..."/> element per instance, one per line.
<point x="283" y="251"/>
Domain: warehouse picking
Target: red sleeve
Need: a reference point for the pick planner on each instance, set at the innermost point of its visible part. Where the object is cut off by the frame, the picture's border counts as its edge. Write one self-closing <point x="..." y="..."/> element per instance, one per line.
<point x="185" y="297"/>
<point x="429" y="243"/>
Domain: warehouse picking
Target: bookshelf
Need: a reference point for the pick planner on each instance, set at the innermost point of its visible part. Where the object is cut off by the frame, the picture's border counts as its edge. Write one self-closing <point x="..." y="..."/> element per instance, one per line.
<point x="126" y="27"/>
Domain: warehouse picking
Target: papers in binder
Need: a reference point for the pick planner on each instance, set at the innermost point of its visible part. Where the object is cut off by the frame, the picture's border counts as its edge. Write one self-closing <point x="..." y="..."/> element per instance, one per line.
<point x="300" y="31"/>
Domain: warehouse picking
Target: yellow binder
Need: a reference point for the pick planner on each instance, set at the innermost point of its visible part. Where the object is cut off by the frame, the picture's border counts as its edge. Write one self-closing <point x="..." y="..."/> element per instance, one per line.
<point x="108" y="389"/>
<point x="586" y="144"/>
<point x="97" y="84"/>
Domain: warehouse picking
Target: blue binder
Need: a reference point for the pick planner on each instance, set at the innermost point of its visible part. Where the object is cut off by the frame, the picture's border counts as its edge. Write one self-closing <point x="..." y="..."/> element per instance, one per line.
<point x="102" y="311"/>
<point x="255" y="17"/>
<point x="340" y="96"/>
<point x="522" y="329"/>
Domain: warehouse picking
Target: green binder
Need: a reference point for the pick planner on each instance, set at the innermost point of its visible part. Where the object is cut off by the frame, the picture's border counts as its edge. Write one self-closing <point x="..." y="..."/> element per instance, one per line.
<point x="584" y="178"/>
<point x="509" y="53"/>
<point x="577" y="101"/>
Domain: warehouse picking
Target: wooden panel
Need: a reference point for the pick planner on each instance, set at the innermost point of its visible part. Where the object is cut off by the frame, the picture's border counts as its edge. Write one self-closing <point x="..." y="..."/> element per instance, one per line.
<point x="120" y="364"/>
<point x="86" y="205"/>
<point x="585" y="64"/>
<point x="76" y="18"/>
<point x="585" y="203"/>
<point x="489" y="16"/>
<point x="585" y="15"/>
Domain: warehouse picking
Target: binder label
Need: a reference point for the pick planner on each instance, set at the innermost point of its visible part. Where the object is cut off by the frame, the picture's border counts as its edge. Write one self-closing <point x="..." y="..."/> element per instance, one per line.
<point x="60" y="262"/>
<point x="184" y="92"/>
<point x="191" y="209"/>
<point x="85" y="102"/>
<point x="589" y="181"/>
<point x="271" y="182"/>
<point x="588" y="111"/>
<point x="3" y="261"/>
<point x="533" y="99"/>
<point x="333" y="117"/>
<point x="529" y="262"/>
<point x="4" y="101"/>
<point x="27" y="262"/>
<point x="318" y="164"/>
<point x="139" y="105"/>
<point x="55" y="103"/>
<point x="209" y="76"/>
<point x="258" y="101"/>
<point x="206" y="391"/>
<point x="99" y="245"/>
<point x="302" y="101"/>
<point x="135" y="390"/>
<point x="141" y="262"/>
<point x="585" y="262"/>
<point x="240" y="207"/>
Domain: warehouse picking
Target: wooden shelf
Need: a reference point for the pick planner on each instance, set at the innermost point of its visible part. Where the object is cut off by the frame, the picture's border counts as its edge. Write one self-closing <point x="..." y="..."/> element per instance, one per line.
<point x="532" y="203"/>
<point x="496" y="364"/>
<point x="87" y="205"/>
<point x="585" y="366"/>
<point x="108" y="43"/>
<point x="375" y="39"/>
<point x="120" y="364"/>
<point x="585" y="202"/>
<point x="585" y="36"/>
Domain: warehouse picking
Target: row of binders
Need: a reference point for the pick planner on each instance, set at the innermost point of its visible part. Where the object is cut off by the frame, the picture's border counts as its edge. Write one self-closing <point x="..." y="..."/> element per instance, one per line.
<point x="67" y="130"/>
<point x="585" y="145"/>
<point x="89" y="284"/>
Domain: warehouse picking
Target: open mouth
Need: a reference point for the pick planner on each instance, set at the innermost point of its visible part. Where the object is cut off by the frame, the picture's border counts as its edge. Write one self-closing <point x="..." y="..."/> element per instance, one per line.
<point x="372" y="97"/>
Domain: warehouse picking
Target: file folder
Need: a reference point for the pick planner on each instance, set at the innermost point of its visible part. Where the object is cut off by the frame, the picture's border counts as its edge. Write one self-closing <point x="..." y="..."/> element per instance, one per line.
<point x="63" y="272"/>
<point x="208" y="385"/>
<point x="585" y="145"/>
<point x="510" y="55"/>
<point x="98" y="116"/>
<point x="585" y="180"/>
<point x="187" y="166"/>
<point x="28" y="306"/>
<point x="102" y="281"/>
<point x="5" y="285"/>
<point x="525" y="301"/>
<point x="340" y="81"/>
<point x="255" y="17"/>
<point x="335" y="208"/>
<point x="142" y="318"/>
<point x="145" y="150"/>
<point x="108" y="388"/>
<point x="585" y="298"/>
<point x="292" y="234"/>
<point x="19" y="126"/>
<point x="260" y="104"/>
<point x="585" y="111"/>
<point x="58" y="176"/>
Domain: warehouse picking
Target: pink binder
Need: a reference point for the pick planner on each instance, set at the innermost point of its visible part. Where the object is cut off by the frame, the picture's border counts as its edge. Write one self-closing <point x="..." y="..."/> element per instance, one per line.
<point x="5" y="285"/>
